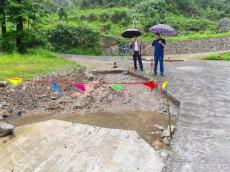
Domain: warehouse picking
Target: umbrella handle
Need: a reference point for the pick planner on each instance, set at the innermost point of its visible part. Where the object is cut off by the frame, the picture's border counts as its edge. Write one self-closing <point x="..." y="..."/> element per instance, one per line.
<point x="133" y="20"/>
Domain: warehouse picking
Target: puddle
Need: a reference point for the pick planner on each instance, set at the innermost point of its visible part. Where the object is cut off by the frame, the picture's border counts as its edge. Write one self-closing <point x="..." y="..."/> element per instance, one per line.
<point x="142" y="122"/>
<point x="135" y="108"/>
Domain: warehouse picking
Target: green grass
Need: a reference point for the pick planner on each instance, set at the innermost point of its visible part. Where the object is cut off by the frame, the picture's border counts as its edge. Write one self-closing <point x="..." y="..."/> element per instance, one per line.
<point x="225" y="56"/>
<point x="35" y="62"/>
<point x="117" y="29"/>
<point x="188" y="37"/>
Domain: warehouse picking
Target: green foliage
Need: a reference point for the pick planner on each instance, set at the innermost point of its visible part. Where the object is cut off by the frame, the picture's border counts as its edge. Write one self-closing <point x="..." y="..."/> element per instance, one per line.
<point x="68" y="38"/>
<point x="107" y="3"/>
<point x="31" y="64"/>
<point x="225" y="56"/>
<point x="119" y="16"/>
<point x="7" y="44"/>
<point x="184" y="24"/>
<point x="193" y="19"/>
<point x="104" y="17"/>
<point x="62" y="14"/>
<point x="35" y="38"/>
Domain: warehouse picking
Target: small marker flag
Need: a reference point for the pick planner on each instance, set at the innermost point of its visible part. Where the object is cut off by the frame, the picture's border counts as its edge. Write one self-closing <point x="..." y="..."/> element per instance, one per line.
<point x="14" y="81"/>
<point x="80" y="86"/>
<point x="164" y="88"/>
<point x="151" y="85"/>
<point x="117" y="87"/>
<point x="55" y="87"/>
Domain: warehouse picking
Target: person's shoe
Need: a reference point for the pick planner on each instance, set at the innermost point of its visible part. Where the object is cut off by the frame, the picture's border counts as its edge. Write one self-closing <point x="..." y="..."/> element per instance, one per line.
<point x="142" y="70"/>
<point x="162" y="74"/>
<point x="155" y="74"/>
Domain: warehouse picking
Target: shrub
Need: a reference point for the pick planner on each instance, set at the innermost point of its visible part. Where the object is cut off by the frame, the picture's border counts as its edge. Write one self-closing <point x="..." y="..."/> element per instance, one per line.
<point x="105" y="27"/>
<point x="83" y="17"/>
<point x="8" y="43"/>
<point x="92" y="17"/>
<point x="66" y="38"/>
<point x="104" y="17"/>
<point x="36" y="38"/>
<point x="118" y="16"/>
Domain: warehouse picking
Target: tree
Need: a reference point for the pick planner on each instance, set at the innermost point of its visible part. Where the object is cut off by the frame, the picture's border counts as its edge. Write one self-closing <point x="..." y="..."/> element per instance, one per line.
<point x="3" y="17"/>
<point x="21" y="11"/>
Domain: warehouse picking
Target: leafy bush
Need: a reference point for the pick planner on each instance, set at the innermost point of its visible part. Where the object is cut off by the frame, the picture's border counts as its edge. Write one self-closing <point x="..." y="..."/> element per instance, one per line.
<point x="37" y="38"/>
<point x="104" y="17"/>
<point x="107" y="3"/>
<point x="92" y="17"/>
<point x="7" y="44"/>
<point x="105" y="27"/>
<point x="182" y="23"/>
<point x="66" y="38"/>
<point x="118" y="16"/>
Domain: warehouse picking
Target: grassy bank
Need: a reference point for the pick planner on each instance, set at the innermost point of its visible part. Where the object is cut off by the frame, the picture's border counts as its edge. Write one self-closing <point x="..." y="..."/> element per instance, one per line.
<point x="94" y="20"/>
<point x="34" y="62"/>
<point x="225" y="56"/>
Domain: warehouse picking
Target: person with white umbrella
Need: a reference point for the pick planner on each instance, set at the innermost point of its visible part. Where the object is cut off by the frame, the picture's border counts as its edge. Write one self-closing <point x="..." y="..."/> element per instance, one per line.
<point x="136" y="46"/>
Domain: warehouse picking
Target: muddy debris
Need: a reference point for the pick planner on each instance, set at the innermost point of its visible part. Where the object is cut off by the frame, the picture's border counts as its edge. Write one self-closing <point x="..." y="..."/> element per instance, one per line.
<point x="39" y="96"/>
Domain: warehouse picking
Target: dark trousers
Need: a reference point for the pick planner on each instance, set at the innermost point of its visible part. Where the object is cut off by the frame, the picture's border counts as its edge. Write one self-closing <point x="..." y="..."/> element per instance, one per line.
<point x="161" y="60"/>
<point x="137" y="56"/>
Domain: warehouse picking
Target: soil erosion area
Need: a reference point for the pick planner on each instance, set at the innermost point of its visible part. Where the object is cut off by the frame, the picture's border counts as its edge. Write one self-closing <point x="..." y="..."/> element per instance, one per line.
<point x="135" y="107"/>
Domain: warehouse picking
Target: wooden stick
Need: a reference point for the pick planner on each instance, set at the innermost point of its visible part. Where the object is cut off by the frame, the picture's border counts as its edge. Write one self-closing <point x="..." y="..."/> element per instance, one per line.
<point x="169" y="115"/>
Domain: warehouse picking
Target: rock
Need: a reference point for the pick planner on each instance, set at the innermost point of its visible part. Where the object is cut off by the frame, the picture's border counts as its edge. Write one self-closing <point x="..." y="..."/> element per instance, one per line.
<point x="156" y="132"/>
<point x="1" y="117"/>
<point x="19" y="113"/>
<point x="24" y="87"/>
<point x="173" y="128"/>
<point x="5" y="129"/>
<point x="159" y="127"/>
<point x="53" y="97"/>
<point x="3" y="84"/>
<point x="165" y="133"/>
<point x="158" y="145"/>
<point x="166" y="140"/>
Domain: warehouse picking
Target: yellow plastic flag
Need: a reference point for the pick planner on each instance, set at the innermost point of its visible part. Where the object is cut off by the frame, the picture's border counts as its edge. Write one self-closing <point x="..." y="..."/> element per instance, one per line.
<point x="164" y="85"/>
<point x="14" y="81"/>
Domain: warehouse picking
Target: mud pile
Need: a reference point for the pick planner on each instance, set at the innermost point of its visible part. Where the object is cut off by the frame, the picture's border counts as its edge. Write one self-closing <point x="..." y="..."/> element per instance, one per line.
<point x="34" y="96"/>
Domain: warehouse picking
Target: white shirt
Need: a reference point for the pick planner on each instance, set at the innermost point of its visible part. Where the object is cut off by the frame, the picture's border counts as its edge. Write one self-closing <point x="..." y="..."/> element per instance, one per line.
<point x="136" y="46"/>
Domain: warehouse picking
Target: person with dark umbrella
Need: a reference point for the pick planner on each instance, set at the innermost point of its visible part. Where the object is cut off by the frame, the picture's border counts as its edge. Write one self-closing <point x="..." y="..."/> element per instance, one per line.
<point x="136" y="46"/>
<point x="158" y="45"/>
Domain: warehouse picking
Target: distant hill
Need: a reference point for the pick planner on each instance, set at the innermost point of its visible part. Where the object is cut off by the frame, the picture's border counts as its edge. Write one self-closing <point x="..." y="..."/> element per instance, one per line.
<point x="193" y="19"/>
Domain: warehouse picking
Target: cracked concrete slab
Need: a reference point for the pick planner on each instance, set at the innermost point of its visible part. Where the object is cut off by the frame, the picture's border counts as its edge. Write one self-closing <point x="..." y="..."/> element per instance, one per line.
<point x="64" y="146"/>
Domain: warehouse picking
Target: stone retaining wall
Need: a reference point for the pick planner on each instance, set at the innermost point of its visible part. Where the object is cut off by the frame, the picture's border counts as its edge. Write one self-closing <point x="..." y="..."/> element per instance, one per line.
<point x="186" y="47"/>
<point x="198" y="46"/>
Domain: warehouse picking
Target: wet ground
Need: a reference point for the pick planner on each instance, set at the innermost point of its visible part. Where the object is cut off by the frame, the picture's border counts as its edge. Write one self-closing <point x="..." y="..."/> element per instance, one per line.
<point x="201" y="143"/>
<point x="58" y="146"/>
<point x="142" y="122"/>
<point x="202" y="140"/>
<point x="134" y="108"/>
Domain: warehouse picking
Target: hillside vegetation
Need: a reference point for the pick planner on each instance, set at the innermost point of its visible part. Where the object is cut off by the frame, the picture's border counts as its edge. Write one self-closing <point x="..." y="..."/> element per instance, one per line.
<point x="78" y="26"/>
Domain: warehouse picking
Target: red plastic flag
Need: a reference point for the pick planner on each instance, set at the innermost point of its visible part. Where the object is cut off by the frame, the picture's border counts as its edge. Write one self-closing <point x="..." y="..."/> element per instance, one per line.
<point x="151" y="85"/>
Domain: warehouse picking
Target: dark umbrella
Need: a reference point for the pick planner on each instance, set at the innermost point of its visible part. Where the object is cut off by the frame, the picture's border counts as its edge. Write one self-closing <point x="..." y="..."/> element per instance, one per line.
<point x="163" y="29"/>
<point x="130" y="33"/>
